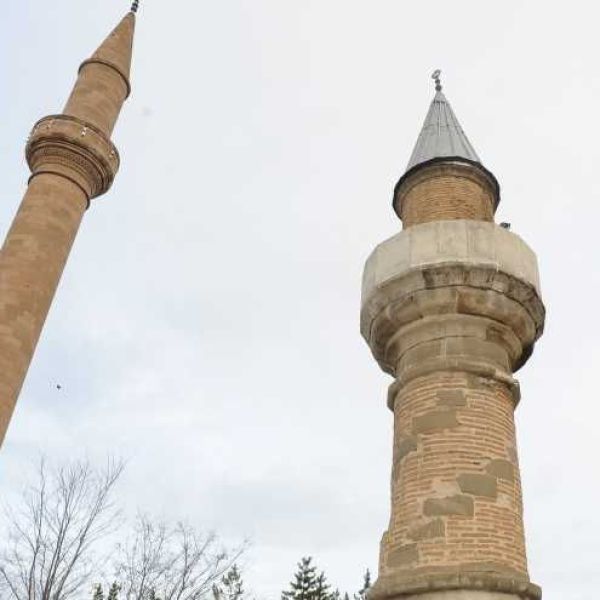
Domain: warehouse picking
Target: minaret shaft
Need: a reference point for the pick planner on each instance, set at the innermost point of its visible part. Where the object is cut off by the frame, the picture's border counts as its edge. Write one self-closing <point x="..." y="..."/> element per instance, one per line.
<point x="451" y="308"/>
<point x="31" y="262"/>
<point x="72" y="160"/>
<point x="454" y="454"/>
<point x="98" y="96"/>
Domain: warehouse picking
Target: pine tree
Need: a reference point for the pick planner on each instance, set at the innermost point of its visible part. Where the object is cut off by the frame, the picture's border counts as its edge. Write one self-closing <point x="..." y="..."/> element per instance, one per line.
<point x="231" y="587"/>
<point x="304" y="585"/>
<point x="113" y="593"/>
<point x="98" y="592"/>
<point x="362" y="593"/>
<point x="337" y="595"/>
<point x="322" y="588"/>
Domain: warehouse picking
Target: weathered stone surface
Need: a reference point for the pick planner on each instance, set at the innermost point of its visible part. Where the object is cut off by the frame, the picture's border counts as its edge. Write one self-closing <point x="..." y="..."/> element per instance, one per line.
<point x="464" y="595"/>
<point x="403" y="556"/>
<point x="452" y="398"/>
<point x="452" y="505"/>
<point x="405" y="446"/>
<point x="478" y="485"/>
<point x="434" y="421"/>
<point x="433" y="529"/>
<point x="461" y="241"/>
<point x="454" y="584"/>
<point x="494" y="527"/>
<point x="501" y="469"/>
<point x="513" y="454"/>
<point x="413" y="271"/>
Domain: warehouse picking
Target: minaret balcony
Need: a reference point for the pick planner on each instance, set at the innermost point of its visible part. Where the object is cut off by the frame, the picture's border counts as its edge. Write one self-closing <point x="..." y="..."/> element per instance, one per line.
<point x="457" y="295"/>
<point x="75" y="149"/>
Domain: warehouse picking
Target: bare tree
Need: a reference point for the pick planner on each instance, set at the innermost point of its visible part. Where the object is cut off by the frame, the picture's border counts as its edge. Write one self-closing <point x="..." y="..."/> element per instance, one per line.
<point x="172" y="563"/>
<point x="50" y="539"/>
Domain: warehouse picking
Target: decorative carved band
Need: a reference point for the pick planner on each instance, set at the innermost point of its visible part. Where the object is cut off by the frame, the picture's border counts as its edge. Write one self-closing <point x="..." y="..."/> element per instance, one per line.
<point x="72" y="148"/>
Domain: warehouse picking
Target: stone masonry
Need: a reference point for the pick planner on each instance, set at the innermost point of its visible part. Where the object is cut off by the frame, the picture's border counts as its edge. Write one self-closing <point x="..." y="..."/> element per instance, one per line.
<point x="451" y="307"/>
<point x="72" y="160"/>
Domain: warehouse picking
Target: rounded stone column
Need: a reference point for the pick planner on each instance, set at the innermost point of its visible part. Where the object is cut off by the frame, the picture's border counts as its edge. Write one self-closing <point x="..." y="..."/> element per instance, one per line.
<point x="451" y="309"/>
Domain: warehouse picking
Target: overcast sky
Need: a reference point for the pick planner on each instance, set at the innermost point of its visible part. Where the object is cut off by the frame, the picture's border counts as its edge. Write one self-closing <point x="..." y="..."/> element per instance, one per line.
<point x="206" y="326"/>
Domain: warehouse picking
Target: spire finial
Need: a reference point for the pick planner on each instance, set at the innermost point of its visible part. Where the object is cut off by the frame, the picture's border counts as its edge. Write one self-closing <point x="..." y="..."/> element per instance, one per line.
<point x="436" y="77"/>
<point x="135" y="6"/>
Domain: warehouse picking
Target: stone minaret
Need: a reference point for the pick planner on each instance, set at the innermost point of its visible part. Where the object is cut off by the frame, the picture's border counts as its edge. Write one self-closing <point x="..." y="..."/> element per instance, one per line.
<point x="72" y="160"/>
<point x="451" y="308"/>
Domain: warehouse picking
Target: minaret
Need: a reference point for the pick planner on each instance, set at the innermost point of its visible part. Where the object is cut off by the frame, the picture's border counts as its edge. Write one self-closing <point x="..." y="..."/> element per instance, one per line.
<point x="72" y="160"/>
<point x="451" y="308"/>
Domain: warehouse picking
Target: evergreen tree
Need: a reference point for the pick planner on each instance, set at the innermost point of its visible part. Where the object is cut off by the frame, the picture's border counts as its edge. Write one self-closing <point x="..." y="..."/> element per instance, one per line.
<point x="322" y="589"/>
<point x="304" y="585"/>
<point x="362" y="593"/>
<point x="113" y="593"/>
<point x="337" y="595"/>
<point x="98" y="592"/>
<point x="231" y="586"/>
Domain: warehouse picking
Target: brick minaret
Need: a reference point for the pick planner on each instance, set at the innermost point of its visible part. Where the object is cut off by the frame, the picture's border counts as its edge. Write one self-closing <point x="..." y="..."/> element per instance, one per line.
<point x="72" y="160"/>
<point x="451" y="308"/>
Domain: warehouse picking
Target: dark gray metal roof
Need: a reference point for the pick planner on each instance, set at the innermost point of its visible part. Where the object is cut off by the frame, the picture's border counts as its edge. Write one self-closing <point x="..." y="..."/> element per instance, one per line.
<point x="441" y="135"/>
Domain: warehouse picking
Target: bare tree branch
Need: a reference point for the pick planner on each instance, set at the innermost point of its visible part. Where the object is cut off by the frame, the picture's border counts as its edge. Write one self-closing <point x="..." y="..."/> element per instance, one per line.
<point x="172" y="563"/>
<point x="50" y="549"/>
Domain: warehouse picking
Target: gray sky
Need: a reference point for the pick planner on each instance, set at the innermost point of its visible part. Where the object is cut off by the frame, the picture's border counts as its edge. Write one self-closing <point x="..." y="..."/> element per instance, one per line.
<point x="206" y="326"/>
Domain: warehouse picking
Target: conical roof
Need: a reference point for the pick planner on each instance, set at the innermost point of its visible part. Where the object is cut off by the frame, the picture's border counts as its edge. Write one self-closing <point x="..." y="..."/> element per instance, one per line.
<point x="117" y="49"/>
<point x="441" y="135"/>
<point x="442" y="139"/>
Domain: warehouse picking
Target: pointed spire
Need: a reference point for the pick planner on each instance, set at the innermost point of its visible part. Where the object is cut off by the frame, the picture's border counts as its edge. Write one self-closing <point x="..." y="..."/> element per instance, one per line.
<point x="442" y="143"/>
<point x="117" y="49"/>
<point x="103" y="82"/>
<point x="441" y="135"/>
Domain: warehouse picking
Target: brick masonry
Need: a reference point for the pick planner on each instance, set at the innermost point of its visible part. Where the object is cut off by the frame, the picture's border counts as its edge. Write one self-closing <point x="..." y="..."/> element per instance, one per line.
<point x="456" y="497"/>
<point x="445" y="192"/>
<point x="439" y="320"/>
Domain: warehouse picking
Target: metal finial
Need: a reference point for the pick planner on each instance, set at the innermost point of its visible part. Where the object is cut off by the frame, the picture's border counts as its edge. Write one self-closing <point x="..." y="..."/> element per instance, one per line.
<point x="436" y="77"/>
<point x="135" y="6"/>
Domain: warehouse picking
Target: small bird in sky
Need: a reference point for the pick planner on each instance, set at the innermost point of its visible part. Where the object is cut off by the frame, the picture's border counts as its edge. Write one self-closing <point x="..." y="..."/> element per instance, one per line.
<point x="58" y="386"/>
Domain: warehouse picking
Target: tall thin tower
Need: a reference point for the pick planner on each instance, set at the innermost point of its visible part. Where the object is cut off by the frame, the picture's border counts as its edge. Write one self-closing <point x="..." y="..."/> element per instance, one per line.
<point x="72" y="160"/>
<point x="451" y="308"/>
